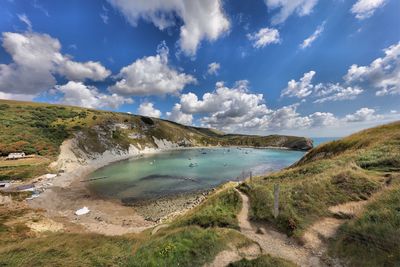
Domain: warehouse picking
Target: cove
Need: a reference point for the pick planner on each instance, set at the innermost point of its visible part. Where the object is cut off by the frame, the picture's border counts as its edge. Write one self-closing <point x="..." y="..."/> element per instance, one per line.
<point x="184" y="171"/>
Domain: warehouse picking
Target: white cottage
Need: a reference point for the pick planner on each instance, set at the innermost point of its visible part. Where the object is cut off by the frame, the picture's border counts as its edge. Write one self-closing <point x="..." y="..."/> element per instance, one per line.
<point x="16" y="155"/>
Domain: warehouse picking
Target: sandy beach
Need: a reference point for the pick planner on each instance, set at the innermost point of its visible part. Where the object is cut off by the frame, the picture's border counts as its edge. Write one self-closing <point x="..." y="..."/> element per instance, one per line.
<point x="66" y="193"/>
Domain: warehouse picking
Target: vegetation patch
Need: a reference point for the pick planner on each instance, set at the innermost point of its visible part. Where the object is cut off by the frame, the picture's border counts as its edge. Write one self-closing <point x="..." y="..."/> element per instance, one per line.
<point x="189" y="246"/>
<point x="217" y="211"/>
<point x="307" y="195"/>
<point x="373" y="239"/>
<point x="68" y="249"/>
<point x="263" y="261"/>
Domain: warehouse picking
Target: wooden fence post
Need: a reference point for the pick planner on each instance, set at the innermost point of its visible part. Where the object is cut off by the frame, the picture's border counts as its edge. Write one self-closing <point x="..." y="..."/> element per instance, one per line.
<point x="276" y="200"/>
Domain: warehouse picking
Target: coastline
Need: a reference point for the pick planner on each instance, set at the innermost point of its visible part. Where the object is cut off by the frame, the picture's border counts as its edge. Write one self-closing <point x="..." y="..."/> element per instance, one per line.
<point x="66" y="192"/>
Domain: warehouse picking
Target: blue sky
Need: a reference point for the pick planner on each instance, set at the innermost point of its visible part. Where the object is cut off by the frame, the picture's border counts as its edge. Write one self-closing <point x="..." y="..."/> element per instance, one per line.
<point x="309" y="67"/>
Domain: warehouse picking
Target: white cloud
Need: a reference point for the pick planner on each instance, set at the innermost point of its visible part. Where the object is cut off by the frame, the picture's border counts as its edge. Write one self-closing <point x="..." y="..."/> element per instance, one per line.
<point x="307" y="42"/>
<point x="36" y="58"/>
<point x="363" y="114"/>
<point x="22" y="97"/>
<point x="225" y="107"/>
<point x="213" y="68"/>
<point x="79" y="94"/>
<point x="151" y="76"/>
<point x="289" y="7"/>
<point x="383" y="73"/>
<point x="178" y="116"/>
<point x="104" y="15"/>
<point x="335" y="92"/>
<point x="148" y="109"/>
<point x="236" y="109"/>
<point x="365" y="8"/>
<point x="324" y="92"/>
<point x="300" y="89"/>
<point x="323" y="119"/>
<point x="202" y="19"/>
<point x="24" y="18"/>
<point x="77" y="71"/>
<point x="264" y="36"/>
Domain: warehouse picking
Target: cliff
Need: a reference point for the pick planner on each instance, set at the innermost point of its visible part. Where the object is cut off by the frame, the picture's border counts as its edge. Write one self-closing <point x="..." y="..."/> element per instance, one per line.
<point x="39" y="129"/>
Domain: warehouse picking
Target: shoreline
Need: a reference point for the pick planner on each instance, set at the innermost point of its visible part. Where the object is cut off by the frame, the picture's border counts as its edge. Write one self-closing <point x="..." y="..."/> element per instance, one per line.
<point x="64" y="194"/>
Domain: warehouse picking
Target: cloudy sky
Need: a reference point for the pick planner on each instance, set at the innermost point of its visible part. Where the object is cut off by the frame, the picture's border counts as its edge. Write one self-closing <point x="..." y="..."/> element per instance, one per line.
<point x="306" y="67"/>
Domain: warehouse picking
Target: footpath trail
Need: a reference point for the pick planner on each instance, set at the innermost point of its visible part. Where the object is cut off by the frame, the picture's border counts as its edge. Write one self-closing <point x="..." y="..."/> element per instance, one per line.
<point x="273" y="242"/>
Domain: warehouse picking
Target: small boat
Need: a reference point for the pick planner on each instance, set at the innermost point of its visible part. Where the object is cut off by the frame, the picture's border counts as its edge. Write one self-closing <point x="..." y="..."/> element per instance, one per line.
<point x="191" y="165"/>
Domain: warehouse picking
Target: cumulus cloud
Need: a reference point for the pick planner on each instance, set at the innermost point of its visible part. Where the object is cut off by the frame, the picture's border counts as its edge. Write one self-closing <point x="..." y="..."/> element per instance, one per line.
<point x="225" y="106"/>
<point x="263" y="37"/>
<point x="236" y="109"/>
<point x="36" y="58"/>
<point x="382" y="74"/>
<point x="301" y="88"/>
<point x="307" y="42"/>
<point x="151" y="76"/>
<point x="79" y="94"/>
<point x="213" y="68"/>
<point x="363" y="9"/>
<point x="289" y="7"/>
<point x="178" y="116"/>
<point x="148" y="109"/>
<point x="363" y="114"/>
<point x="202" y="19"/>
<point x="78" y="71"/>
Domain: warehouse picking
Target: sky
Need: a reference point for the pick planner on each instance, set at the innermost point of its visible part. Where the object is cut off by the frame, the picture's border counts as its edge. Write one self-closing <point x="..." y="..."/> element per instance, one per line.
<point x="302" y="67"/>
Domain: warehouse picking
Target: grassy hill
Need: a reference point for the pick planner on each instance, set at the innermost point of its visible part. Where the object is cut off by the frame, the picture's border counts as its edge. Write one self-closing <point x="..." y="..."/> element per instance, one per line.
<point x="39" y="129"/>
<point x="351" y="169"/>
<point x="363" y="166"/>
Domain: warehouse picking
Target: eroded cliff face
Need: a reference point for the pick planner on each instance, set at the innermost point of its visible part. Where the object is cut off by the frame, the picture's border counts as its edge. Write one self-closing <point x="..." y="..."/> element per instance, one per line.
<point x="111" y="141"/>
<point x="144" y="134"/>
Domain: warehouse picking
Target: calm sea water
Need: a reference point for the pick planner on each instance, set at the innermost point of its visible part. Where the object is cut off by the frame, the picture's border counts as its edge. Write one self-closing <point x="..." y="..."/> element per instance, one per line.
<point x="188" y="170"/>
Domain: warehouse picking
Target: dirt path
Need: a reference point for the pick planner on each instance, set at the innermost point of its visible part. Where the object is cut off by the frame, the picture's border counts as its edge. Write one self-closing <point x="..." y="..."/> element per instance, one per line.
<point x="315" y="236"/>
<point x="273" y="242"/>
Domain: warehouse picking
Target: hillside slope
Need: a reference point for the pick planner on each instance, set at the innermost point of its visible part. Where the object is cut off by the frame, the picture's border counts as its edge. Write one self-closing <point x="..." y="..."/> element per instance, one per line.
<point x="39" y="129"/>
<point x="363" y="166"/>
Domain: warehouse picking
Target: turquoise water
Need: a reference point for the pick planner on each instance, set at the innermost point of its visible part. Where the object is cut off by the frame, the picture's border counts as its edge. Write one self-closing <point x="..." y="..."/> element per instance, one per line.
<point x="182" y="171"/>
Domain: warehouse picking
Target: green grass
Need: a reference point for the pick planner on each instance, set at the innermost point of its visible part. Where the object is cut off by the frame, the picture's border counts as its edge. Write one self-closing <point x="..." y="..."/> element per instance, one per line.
<point x="189" y="246"/>
<point x="68" y="250"/>
<point x="218" y="211"/>
<point x="351" y="169"/>
<point x="179" y="245"/>
<point x="306" y="196"/>
<point x="373" y="239"/>
<point x="263" y="261"/>
<point x="334" y="173"/>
